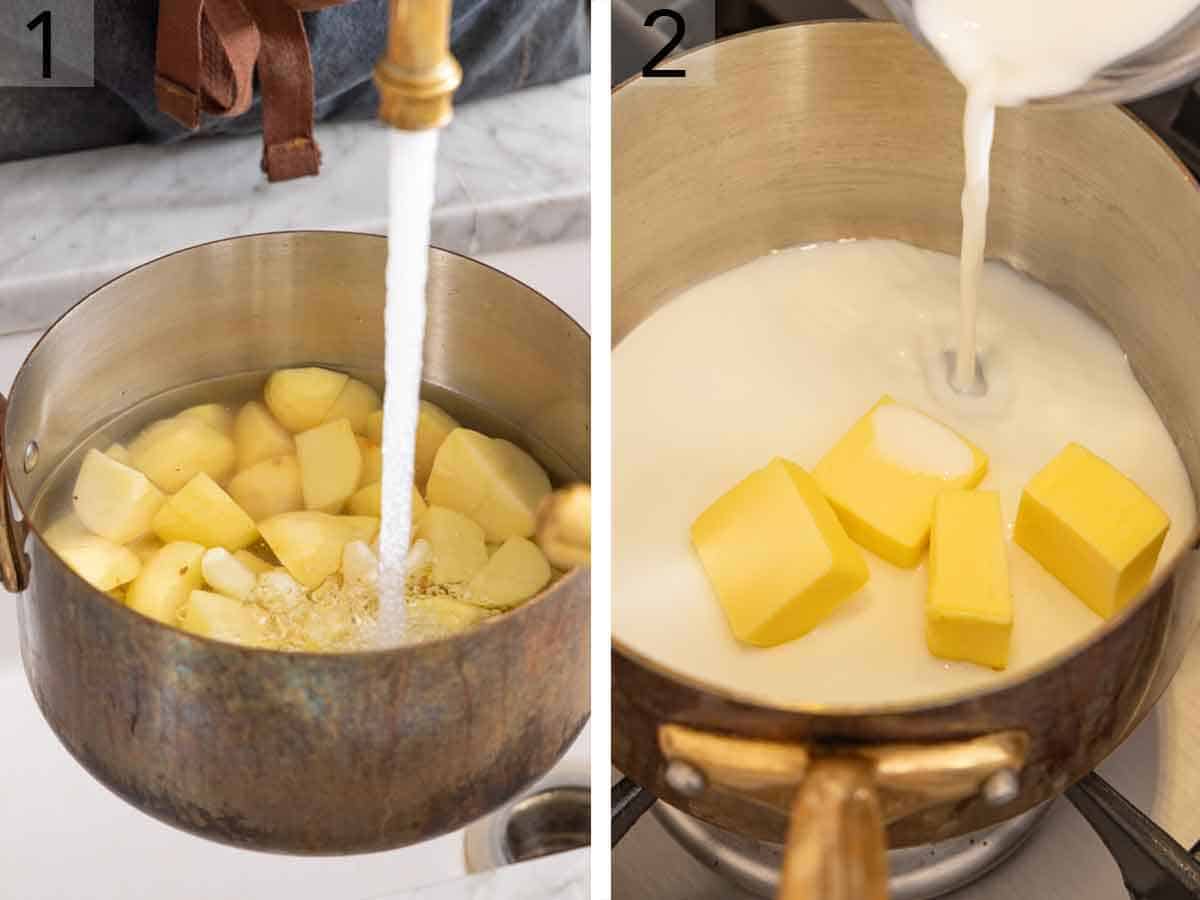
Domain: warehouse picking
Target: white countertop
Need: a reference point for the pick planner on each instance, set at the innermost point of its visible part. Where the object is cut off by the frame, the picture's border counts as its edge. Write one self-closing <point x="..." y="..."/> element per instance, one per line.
<point x="512" y="172"/>
<point x="65" y="837"/>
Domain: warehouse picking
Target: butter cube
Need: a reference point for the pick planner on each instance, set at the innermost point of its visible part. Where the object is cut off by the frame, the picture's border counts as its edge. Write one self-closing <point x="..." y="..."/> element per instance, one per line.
<point x="776" y="555"/>
<point x="1092" y="528"/>
<point x="884" y="474"/>
<point x="968" y="606"/>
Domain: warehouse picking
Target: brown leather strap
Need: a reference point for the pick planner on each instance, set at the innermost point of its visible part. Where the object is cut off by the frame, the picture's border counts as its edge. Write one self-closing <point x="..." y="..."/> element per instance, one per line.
<point x="208" y="51"/>
<point x="285" y="76"/>
<point x="177" y="80"/>
<point x="230" y="45"/>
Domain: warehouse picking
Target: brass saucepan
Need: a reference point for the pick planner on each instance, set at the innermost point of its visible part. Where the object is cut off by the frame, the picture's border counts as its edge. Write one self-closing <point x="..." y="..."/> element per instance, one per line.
<point x="299" y="752"/>
<point x="826" y="131"/>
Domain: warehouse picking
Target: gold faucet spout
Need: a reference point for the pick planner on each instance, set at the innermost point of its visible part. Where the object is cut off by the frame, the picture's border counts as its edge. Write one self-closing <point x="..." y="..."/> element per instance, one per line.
<point x="418" y="75"/>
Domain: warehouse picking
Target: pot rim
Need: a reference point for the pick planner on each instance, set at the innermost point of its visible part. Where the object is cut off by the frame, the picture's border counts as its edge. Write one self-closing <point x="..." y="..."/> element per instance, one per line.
<point x="30" y="529"/>
<point x="1164" y="580"/>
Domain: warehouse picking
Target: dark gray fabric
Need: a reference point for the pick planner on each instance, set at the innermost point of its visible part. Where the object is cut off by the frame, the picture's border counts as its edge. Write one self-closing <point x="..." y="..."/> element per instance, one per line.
<point x="503" y="45"/>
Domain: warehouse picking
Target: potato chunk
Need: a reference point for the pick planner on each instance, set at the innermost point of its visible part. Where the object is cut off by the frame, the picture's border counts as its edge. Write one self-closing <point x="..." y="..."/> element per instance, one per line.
<point x="459" y="550"/>
<point x="434" y="425"/>
<point x="373" y="430"/>
<point x="62" y="530"/>
<point x="494" y="482"/>
<point x="356" y="402"/>
<point x="446" y="613"/>
<point x="253" y="562"/>
<point x="257" y="436"/>
<point x="515" y="572"/>
<point x="113" y="500"/>
<point x="226" y="574"/>
<point x="330" y="465"/>
<point x="365" y="501"/>
<point x="214" y="415"/>
<point x="268" y="488"/>
<point x="165" y="581"/>
<point x="119" y="453"/>
<point x="98" y="561"/>
<point x="145" y="547"/>
<point x="223" y="619"/>
<point x="372" y="462"/>
<point x="300" y="398"/>
<point x="171" y="451"/>
<point x="310" y="543"/>
<point x="202" y="512"/>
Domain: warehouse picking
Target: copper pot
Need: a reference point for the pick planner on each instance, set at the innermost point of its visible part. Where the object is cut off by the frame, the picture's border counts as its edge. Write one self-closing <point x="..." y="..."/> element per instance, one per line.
<point x="818" y="132"/>
<point x="299" y="752"/>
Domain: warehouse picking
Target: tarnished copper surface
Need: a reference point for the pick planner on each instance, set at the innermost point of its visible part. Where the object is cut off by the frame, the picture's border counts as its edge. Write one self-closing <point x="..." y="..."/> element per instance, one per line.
<point x="850" y="130"/>
<point x="303" y="753"/>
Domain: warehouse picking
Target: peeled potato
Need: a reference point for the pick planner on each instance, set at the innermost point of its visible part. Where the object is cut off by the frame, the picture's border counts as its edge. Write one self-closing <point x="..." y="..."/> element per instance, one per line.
<point x="515" y="572"/>
<point x="495" y="483"/>
<point x="300" y="398"/>
<point x="226" y="574"/>
<point x="113" y="500"/>
<point x="64" y="529"/>
<point x="253" y="562"/>
<point x="356" y="402"/>
<point x="365" y="501"/>
<point x="330" y="465"/>
<point x="202" y="512"/>
<point x="223" y="619"/>
<point x="359" y="563"/>
<point x="171" y="451"/>
<point x="145" y="547"/>
<point x="373" y="429"/>
<point x="268" y="488"/>
<point x="372" y="462"/>
<point x="257" y="436"/>
<point x="98" y="561"/>
<point x="166" y="580"/>
<point x="119" y="453"/>
<point x="447" y="613"/>
<point x="458" y="547"/>
<point x="434" y="425"/>
<point x="214" y="415"/>
<point x="310" y="543"/>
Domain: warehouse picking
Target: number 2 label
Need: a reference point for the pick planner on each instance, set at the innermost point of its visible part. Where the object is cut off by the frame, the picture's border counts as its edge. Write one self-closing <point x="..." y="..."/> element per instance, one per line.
<point x="649" y="70"/>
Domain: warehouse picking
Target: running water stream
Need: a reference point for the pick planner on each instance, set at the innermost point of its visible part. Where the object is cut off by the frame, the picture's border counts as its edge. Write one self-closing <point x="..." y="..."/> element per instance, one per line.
<point x="412" y="169"/>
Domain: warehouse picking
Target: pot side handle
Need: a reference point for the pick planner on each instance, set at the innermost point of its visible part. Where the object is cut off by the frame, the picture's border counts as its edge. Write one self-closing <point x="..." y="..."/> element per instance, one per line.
<point x="14" y="564"/>
<point x="564" y="527"/>
<point x="835" y="844"/>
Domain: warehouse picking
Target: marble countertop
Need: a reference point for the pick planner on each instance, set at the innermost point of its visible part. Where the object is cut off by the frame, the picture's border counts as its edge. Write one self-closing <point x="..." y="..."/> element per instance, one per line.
<point x="512" y="172"/>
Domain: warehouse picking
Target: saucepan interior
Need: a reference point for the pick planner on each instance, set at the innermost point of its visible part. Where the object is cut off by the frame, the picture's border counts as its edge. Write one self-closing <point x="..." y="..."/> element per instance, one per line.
<point x="851" y="130"/>
<point x="310" y="753"/>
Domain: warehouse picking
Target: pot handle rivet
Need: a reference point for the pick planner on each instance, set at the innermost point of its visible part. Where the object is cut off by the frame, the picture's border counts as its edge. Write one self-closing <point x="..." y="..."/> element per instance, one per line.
<point x="1001" y="787"/>
<point x="684" y="778"/>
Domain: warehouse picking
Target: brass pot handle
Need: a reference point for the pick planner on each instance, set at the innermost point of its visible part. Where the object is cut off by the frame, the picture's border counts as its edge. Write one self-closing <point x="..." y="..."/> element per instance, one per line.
<point x="839" y="798"/>
<point x="564" y="527"/>
<point x="14" y="564"/>
<point x="835" y="844"/>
